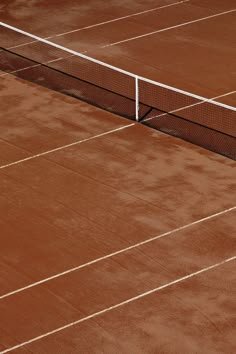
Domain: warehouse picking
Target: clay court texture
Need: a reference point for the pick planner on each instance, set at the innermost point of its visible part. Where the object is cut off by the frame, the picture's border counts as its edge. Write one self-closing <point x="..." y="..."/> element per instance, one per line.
<point x="118" y="213"/>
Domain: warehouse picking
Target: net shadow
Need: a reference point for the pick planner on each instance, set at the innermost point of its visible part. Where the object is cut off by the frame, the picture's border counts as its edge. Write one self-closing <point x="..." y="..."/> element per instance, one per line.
<point x="197" y="122"/>
<point x="192" y="132"/>
<point x="67" y="84"/>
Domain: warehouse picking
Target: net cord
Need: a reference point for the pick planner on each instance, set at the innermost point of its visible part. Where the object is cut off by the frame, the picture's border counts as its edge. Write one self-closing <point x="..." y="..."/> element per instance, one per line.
<point x="115" y="68"/>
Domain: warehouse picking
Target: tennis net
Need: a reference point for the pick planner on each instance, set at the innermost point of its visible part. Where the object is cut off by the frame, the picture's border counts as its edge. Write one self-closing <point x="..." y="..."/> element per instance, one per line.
<point x="202" y="121"/>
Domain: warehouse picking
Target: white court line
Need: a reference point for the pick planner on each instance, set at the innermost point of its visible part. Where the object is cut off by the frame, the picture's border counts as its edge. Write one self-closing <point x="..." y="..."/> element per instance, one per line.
<point x="121" y="18"/>
<point x="105" y="22"/>
<point x="140" y="36"/>
<point x="65" y="146"/>
<point x="168" y="28"/>
<point x="123" y="303"/>
<point x="168" y="233"/>
<point x="103" y="134"/>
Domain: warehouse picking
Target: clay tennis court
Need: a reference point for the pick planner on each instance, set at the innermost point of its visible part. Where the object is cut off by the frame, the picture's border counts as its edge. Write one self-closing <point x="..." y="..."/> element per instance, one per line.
<point x="116" y="237"/>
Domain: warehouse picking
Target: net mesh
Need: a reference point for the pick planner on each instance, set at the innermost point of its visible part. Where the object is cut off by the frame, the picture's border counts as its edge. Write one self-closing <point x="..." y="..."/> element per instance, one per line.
<point x="198" y="121"/>
<point x="69" y="74"/>
<point x="167" y="109"/>
<point x="191" y="108"/>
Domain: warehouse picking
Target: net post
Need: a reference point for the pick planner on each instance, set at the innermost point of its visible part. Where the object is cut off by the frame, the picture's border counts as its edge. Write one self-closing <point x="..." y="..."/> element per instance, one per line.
<point x="136" y="98"/>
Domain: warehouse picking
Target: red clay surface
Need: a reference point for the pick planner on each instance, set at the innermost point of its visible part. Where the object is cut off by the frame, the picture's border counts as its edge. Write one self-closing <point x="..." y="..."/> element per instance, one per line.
<point x="108" y="192"/>
<point x="173" y="320"/>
